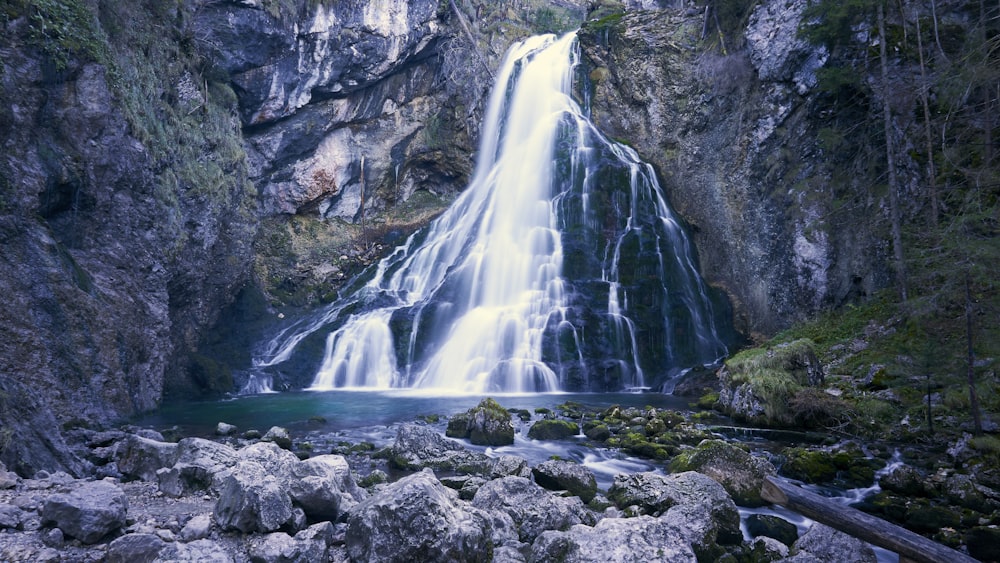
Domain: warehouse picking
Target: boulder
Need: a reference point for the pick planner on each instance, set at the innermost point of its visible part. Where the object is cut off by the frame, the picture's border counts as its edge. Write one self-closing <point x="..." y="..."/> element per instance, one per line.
<point x="141" y="458"/>
<point x="831" y="546"/>
<point x="8" y="479"/>
<point x="198" y="550"/>
<point x="625" y="540"/>
<point x="711" y="513"/>
<point x="307" y="546"/>
<point x="963" y="491"/>
<point x="252" y="500"/>
<point x="466" y="485"/>
<point x="324" y="487"/>
<point x="417" y="519"/>
<point x="275" y="459"/>
<point x="532" y="508"/>
<point x="135" y="548"/>
<point x="10" y="516"/>
<point x="506" y="465"/>
<point x="225" y="429"/>
<point x="904" y="480"/>
<point x="417" y="447"/>
<point x="487" y="424"/>
<point x="198" y="463"/>
<point x="764" y="548"/>
<point x="984" y="543"/>
<point x="553" y="429"/>
<point x="557" y="475"/>
<point x="774" y="527"/>
<point x="740" y="473"/>
<point x="89" y="512"/>
<point x="197" y="528"/>
<point x="279" y="436"/>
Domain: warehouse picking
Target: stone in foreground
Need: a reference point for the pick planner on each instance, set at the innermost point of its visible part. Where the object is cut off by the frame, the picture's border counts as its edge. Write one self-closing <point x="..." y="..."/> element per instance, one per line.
<point x="89" y="512"/>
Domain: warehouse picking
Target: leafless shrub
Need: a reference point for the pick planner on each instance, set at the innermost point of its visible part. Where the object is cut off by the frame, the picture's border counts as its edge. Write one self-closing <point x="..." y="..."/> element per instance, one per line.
<point x="727" y="74"/>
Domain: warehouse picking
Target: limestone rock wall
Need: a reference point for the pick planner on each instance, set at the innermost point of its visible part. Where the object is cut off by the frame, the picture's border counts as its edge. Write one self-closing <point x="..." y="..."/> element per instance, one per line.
<point x="735" y="138"/>
<point x="126" y="219"/>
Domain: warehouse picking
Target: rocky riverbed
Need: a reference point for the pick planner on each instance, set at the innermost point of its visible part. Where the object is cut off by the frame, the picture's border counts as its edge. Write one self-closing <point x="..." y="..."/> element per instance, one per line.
<point x="250" y="496"/>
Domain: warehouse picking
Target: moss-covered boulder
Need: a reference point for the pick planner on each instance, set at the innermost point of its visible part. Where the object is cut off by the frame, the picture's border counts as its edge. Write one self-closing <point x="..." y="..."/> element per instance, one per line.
<point x="758" y="385"/>
<point x="774" y="527"/>
<point x="597" y="431"/>
<point x="740" y="473"/>
<point x="810" y="466"/>
<point x="486" y="424"/>
<point x="847" y="465"/>
<point x="553" y="429"/>
<point x="926" y="518"/>
<point x="984" y="543"/>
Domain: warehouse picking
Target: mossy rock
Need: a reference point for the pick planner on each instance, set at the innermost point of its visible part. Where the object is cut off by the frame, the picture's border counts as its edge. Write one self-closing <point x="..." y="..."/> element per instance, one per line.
<point x="635" y="443"/>
<point x="885" y="505"/>
<point x="984" y="543"/>
<point x="571" y="409"/>
<point x="553" y="429"/>
<point x="741" y="474"/>
<point x="655" y="427"/>
<point x="597" y="431"/>
<point x="671" y="418"/>
<point x="928" y="519"/>
<point x="773" y="527"/>
<point x="523" y="414"/>
<point x="210" y="376"/>
<point x="810" y="466"/>
<point x="707" y="401"/>
<point x="487" y="424"/>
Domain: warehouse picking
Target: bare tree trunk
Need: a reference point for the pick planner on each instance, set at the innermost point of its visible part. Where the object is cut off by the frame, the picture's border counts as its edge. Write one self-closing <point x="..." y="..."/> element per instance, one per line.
<point x="930" y="419"/>
<point x="929" y="137"/>
<point x="894" y="211"/>
<point x="364" y="230"/>
<point x="977" y="422"/>
<point x="937" y="36"/>
<point x="472" y="39"/>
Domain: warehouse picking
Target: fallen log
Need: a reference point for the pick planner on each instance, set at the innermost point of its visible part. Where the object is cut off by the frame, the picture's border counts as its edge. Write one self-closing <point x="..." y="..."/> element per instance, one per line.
<point x="909" y="545"/>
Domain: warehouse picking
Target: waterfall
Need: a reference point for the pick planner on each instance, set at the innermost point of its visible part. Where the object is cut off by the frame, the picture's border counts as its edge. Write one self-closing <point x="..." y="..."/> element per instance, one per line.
<point x="560" y="267"/>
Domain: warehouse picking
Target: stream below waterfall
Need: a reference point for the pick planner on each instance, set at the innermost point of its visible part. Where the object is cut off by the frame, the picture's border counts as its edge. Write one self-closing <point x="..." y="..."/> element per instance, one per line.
<point x="327" y="418"/>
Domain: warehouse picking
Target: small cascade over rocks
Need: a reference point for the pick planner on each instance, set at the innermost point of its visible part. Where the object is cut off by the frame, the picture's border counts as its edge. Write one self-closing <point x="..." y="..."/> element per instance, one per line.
<point x="561" y="267"/>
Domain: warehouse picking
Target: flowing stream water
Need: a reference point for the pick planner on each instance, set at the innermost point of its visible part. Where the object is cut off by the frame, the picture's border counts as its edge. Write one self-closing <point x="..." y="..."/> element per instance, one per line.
<point x="561" y="266"/>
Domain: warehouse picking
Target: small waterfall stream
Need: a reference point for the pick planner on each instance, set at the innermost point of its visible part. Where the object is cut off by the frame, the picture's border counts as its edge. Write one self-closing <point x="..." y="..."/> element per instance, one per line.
<point x="560" y="267"/>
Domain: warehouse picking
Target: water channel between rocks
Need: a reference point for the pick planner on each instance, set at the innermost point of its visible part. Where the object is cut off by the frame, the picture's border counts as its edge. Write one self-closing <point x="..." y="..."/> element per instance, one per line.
<point x="323" y="419"/>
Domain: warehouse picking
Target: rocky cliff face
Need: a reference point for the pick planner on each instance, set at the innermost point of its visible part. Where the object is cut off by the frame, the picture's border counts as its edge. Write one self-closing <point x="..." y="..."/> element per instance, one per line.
<point x="125" y="216"/>
<point x="157" y="156"/>
<point x="735" y="137"/>
<point x="143" y="143"/>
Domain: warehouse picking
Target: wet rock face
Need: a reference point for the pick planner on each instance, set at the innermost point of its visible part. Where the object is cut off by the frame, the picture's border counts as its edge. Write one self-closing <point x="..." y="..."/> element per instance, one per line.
<point x="718" y="128"/>
<point x="341" y="103"/>
<point x="119" y="269"/>
<point x="280" y="60"/>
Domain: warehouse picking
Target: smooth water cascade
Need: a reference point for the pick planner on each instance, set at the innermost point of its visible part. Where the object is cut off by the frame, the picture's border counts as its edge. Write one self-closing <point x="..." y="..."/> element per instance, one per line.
<point x="560" y="267"/>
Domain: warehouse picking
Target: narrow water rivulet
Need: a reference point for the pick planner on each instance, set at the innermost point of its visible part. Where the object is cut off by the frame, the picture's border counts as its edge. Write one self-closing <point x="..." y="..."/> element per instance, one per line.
<point x="561" y="266"/>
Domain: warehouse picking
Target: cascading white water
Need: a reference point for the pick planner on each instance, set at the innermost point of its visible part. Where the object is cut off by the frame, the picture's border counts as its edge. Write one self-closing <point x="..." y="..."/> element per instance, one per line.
<point x="502" y="293"/>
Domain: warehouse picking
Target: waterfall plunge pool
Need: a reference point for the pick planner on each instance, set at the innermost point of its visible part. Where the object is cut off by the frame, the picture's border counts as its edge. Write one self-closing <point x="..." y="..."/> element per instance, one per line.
<point x="372" y="416"/>
<point x="352" y="410"/>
